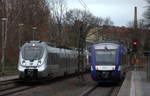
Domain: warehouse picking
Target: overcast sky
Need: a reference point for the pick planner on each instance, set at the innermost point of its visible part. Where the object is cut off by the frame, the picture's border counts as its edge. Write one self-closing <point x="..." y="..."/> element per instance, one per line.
<point x="120" y="11"/>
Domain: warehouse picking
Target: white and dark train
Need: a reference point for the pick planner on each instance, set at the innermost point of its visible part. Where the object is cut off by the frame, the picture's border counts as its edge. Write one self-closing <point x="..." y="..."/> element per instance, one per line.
<point x="108" y="62"/>
<point x="39" y="59"/>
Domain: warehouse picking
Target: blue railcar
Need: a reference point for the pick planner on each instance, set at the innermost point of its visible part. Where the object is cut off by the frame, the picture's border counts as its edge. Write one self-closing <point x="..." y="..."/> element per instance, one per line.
<point x="108" y="62"/>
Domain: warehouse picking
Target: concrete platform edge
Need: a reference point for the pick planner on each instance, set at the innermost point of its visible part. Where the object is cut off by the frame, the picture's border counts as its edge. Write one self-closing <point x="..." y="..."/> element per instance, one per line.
<point x="125" y="88"/>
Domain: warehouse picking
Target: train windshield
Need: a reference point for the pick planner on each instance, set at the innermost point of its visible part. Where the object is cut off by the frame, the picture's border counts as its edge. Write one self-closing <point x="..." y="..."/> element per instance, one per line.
<point x="105" y="57"/>
<point x="32" y="52"/>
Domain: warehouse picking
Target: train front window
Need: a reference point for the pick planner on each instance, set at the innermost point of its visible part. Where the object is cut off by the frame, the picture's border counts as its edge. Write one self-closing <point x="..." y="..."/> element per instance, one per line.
<point x="32" y="52"/>
<point x="105" y="57"/>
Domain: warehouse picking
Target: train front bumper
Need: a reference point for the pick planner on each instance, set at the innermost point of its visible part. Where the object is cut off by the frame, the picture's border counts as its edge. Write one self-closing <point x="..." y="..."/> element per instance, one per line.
<point x="106" y="76"/>
<point x="31" y="72"/>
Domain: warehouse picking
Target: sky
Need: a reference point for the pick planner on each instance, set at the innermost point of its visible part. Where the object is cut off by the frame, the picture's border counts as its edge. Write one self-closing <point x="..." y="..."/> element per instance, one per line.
<point x="120" y="11"/>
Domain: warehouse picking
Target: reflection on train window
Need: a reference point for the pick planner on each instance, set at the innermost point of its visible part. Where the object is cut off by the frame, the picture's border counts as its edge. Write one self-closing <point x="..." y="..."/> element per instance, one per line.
<point x="32" y="52"/>
<point x="105" y="57"/>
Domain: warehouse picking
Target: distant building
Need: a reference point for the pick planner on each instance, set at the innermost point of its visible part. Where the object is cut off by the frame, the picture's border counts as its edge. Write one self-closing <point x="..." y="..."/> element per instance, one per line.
<point x="106" y="33"/>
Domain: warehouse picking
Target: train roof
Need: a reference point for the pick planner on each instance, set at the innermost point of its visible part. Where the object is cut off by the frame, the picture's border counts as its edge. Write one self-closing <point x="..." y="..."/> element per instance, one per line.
<point x="107" y="44"/>
<point x="48" y="44"/>
<point x="51" y="47"/>
<point x="108" y="41"/>
<point x="33" y="43"/>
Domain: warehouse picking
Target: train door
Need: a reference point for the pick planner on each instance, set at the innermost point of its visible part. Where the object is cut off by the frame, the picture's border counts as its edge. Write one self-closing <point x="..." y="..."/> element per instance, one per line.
<point x="71" y="61"/>
<point x="48" y="63"/>
<point x="54" y="67"/>
<point x="74" y="64"/>
<point x="61" y="62"/>
<point x="65" y="62"/>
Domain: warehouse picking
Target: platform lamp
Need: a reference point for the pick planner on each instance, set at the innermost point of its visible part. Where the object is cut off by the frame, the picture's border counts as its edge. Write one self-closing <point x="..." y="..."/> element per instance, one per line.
<point x="20" y="33"/>
<point x="3" y="43"/>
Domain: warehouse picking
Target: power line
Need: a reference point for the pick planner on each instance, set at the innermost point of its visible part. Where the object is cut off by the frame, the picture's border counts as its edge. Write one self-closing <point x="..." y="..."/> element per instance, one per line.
<point x="84" y="4"/>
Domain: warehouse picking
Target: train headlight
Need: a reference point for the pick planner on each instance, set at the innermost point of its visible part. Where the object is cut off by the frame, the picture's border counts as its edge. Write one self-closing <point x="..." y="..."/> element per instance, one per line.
<point x="113" y="68"/>
<point x="23" y="63"/>
<point x="39" y="63"/>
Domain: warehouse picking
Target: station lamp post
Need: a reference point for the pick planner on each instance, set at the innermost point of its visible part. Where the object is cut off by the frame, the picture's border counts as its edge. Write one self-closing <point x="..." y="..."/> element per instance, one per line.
<point x="3" y="43"/>
<point x="33" y="32"/>
<point x="20" y="33"/>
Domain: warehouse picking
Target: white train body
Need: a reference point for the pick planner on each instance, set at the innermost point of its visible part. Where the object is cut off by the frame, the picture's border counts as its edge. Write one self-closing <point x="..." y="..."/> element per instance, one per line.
<point x="38" y="59"/>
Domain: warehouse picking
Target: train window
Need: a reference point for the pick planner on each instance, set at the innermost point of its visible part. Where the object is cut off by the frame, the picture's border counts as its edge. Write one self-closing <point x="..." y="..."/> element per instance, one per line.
<point x="33" y="52"/>
<point x="49" y="59"/>
<point x="105" y="57"/>
<point x="55" y="60"/>
<point x="60" y="59"/>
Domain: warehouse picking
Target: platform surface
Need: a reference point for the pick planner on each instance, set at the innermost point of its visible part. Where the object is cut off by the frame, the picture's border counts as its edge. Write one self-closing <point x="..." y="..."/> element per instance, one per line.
<point x="135" y="84"/>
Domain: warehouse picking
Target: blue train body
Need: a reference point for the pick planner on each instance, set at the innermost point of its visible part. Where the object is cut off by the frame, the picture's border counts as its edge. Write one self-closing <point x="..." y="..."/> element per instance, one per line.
<point x="107" y="62"/>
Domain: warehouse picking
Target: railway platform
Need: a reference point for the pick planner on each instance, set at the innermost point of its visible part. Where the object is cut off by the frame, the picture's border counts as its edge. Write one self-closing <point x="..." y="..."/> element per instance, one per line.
<point x="4" y="78"/>
<point x="135" y="84"/>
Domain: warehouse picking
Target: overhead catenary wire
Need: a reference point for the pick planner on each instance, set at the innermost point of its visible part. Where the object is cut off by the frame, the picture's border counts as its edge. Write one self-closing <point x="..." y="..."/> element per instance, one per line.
<point x="84" y="4"/>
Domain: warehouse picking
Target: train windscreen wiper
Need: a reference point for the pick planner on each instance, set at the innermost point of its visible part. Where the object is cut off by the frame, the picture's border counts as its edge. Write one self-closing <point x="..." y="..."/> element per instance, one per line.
<point x="108" y="50"/>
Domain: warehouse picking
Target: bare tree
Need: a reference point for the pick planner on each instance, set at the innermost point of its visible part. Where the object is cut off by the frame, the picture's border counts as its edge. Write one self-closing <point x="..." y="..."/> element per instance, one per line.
<point x="88" y="20"/>
<point x="58" y="9"/>
<point x="30" y="13"/>
<point x="147" y="15"/>
<point x="108" y="22"/>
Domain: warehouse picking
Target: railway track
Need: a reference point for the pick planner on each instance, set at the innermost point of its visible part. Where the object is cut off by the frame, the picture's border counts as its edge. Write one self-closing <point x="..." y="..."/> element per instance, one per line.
<point x="102" y="90"/>
<point x="9" y="87"/>
<point x="89" y="90"/>
<point x="8" y="82"/>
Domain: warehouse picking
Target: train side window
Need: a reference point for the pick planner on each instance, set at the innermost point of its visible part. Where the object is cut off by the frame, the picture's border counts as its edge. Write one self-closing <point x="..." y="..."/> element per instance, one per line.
<point x="57" y="58"/>
<point x="49" y="59"/>
<point x="55" y="61"/>
<point x="64" y="59"/>
<point x="60" y="59"/>
<point x="53" y="58"/>
<point x="68" y="59"/>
